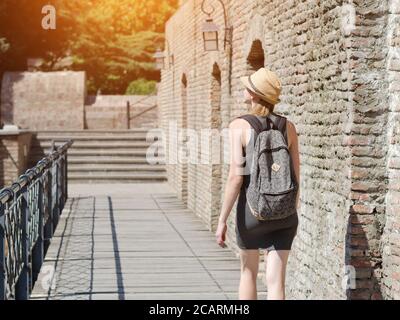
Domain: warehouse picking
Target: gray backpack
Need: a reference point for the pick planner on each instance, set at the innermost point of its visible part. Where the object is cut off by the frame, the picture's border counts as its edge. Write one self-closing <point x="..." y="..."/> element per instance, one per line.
<point x="272" y="191"/>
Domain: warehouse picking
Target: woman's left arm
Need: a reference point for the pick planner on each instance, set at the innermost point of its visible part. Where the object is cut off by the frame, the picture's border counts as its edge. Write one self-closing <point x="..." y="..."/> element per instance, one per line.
<point x="235" y="177"/>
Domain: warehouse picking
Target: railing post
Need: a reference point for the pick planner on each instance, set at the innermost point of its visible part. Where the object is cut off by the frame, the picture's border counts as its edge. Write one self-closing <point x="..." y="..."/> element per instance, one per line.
<point x="61" y="168"/>
<point x="55" y="196"/>
<point x="3" y="279"/>
<point x="48" y="227"/>
<point x="22" y="286"/>
<point x="54" y="186"/>
<point x="38" y="249"/>
<point x="62" y="183"/>
<point x="128" y="112"/>
<point x="66" y="176"/>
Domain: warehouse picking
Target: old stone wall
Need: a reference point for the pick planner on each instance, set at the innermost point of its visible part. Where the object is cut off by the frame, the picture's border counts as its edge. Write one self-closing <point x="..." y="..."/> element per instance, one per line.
<point x="339" y="90"/>
<point x="43" y="100"/>
<point x="58" y="100"/>
<point x="14" y="153"/>
<point x="390" y="249"/>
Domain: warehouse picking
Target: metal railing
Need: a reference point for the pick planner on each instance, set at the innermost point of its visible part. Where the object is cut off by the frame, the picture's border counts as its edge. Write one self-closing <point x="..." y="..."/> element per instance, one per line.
<point x="29" y="213"/>
<point x="142" y="112"/>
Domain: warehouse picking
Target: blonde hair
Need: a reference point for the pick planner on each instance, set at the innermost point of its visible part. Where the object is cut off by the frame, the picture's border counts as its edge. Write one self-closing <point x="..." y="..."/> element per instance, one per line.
<point x="261" y="108"/>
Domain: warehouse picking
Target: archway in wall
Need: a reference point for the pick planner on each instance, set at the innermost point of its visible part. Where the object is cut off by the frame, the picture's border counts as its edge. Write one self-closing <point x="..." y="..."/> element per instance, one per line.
<point x="255" y="58"/>
<point x="216" y="144"/>
<point x="184" y="125"/>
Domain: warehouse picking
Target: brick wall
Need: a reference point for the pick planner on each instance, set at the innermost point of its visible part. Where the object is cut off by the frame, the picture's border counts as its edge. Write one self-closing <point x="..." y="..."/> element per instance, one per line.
<point x="337" y="83"/>
<point x="390" y="284"/>
<point x="14" y="153"/>
<point x="57" y="100"/>
<point x="43" y="100"/>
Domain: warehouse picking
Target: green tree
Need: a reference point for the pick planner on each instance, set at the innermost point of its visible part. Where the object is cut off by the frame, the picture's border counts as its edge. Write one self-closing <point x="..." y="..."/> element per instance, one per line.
<point x="141" y="86"/>
<point x="115" y="41"/>
<point x="112" y="40"/>
<point x="22" y="35"/>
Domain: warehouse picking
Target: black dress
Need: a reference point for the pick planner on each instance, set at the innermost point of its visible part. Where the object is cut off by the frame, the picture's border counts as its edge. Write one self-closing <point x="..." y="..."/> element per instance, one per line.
<point x="252" y="233"/>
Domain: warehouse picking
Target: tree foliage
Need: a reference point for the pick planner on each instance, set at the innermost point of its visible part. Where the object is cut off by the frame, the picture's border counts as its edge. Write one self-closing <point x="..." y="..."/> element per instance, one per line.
<point x="112" y="40"/>
<point x="22" y="35"/>
<point x="141" y="86"/>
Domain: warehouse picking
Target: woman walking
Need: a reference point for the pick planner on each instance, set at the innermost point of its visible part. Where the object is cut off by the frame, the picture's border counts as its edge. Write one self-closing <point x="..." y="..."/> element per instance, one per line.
<point x="273" y="237"/>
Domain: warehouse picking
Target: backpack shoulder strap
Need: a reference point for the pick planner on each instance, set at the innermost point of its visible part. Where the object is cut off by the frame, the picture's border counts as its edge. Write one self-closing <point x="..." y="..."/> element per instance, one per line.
<point x="279" y="123"/>
<point x="254" y="122"/>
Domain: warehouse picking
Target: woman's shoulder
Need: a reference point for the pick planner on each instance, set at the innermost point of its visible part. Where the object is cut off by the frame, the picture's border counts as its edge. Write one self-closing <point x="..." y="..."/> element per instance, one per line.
<point x="290" y="126"/>
<point x="291" y="131"/>
<point x="239" y="122"/>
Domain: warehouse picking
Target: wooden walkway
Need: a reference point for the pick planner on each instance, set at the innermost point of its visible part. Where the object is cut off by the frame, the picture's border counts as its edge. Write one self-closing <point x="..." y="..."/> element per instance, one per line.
<point x="135" y="241"/>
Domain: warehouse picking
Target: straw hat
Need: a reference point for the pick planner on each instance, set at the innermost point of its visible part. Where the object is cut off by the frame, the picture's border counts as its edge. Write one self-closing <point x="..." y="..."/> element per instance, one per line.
<point x="265" y="84"/>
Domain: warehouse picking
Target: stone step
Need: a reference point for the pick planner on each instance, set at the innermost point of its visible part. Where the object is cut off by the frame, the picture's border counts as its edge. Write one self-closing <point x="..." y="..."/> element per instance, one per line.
<point x="114" y="167"/>
<point x="62" y="138"/>
<point x="118" y="173"/>
<point x="41" y="144"/>
<point x="106" y="155"/>
<point x="102" y="152"/>
<point x="110" y="160"/>
<point x="115" y="177"/>
<point x="88" y="132"/>
<point x="99" y="135"/>
<point x="104" y="160"/>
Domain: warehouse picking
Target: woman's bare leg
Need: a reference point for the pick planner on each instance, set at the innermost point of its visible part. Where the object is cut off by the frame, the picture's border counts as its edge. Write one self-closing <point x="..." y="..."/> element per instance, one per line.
<point x="276" y="261"/>
<point x="249" y="260"/>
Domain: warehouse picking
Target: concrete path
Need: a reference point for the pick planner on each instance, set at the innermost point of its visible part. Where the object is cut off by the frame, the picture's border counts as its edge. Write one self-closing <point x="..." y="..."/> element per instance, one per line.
<point x="134" y="241"/>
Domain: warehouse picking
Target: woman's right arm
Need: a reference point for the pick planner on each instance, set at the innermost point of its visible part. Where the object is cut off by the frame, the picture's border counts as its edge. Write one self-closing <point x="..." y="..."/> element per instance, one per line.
<point x="294" y="152"/>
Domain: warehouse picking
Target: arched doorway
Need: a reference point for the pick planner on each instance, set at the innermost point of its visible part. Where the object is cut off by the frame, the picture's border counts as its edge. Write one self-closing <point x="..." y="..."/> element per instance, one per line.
<point x="255" y="58"/>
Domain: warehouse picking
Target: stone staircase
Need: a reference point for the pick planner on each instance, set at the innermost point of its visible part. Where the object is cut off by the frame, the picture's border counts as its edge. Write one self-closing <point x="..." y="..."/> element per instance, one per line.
<point x="101" y="156"/>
